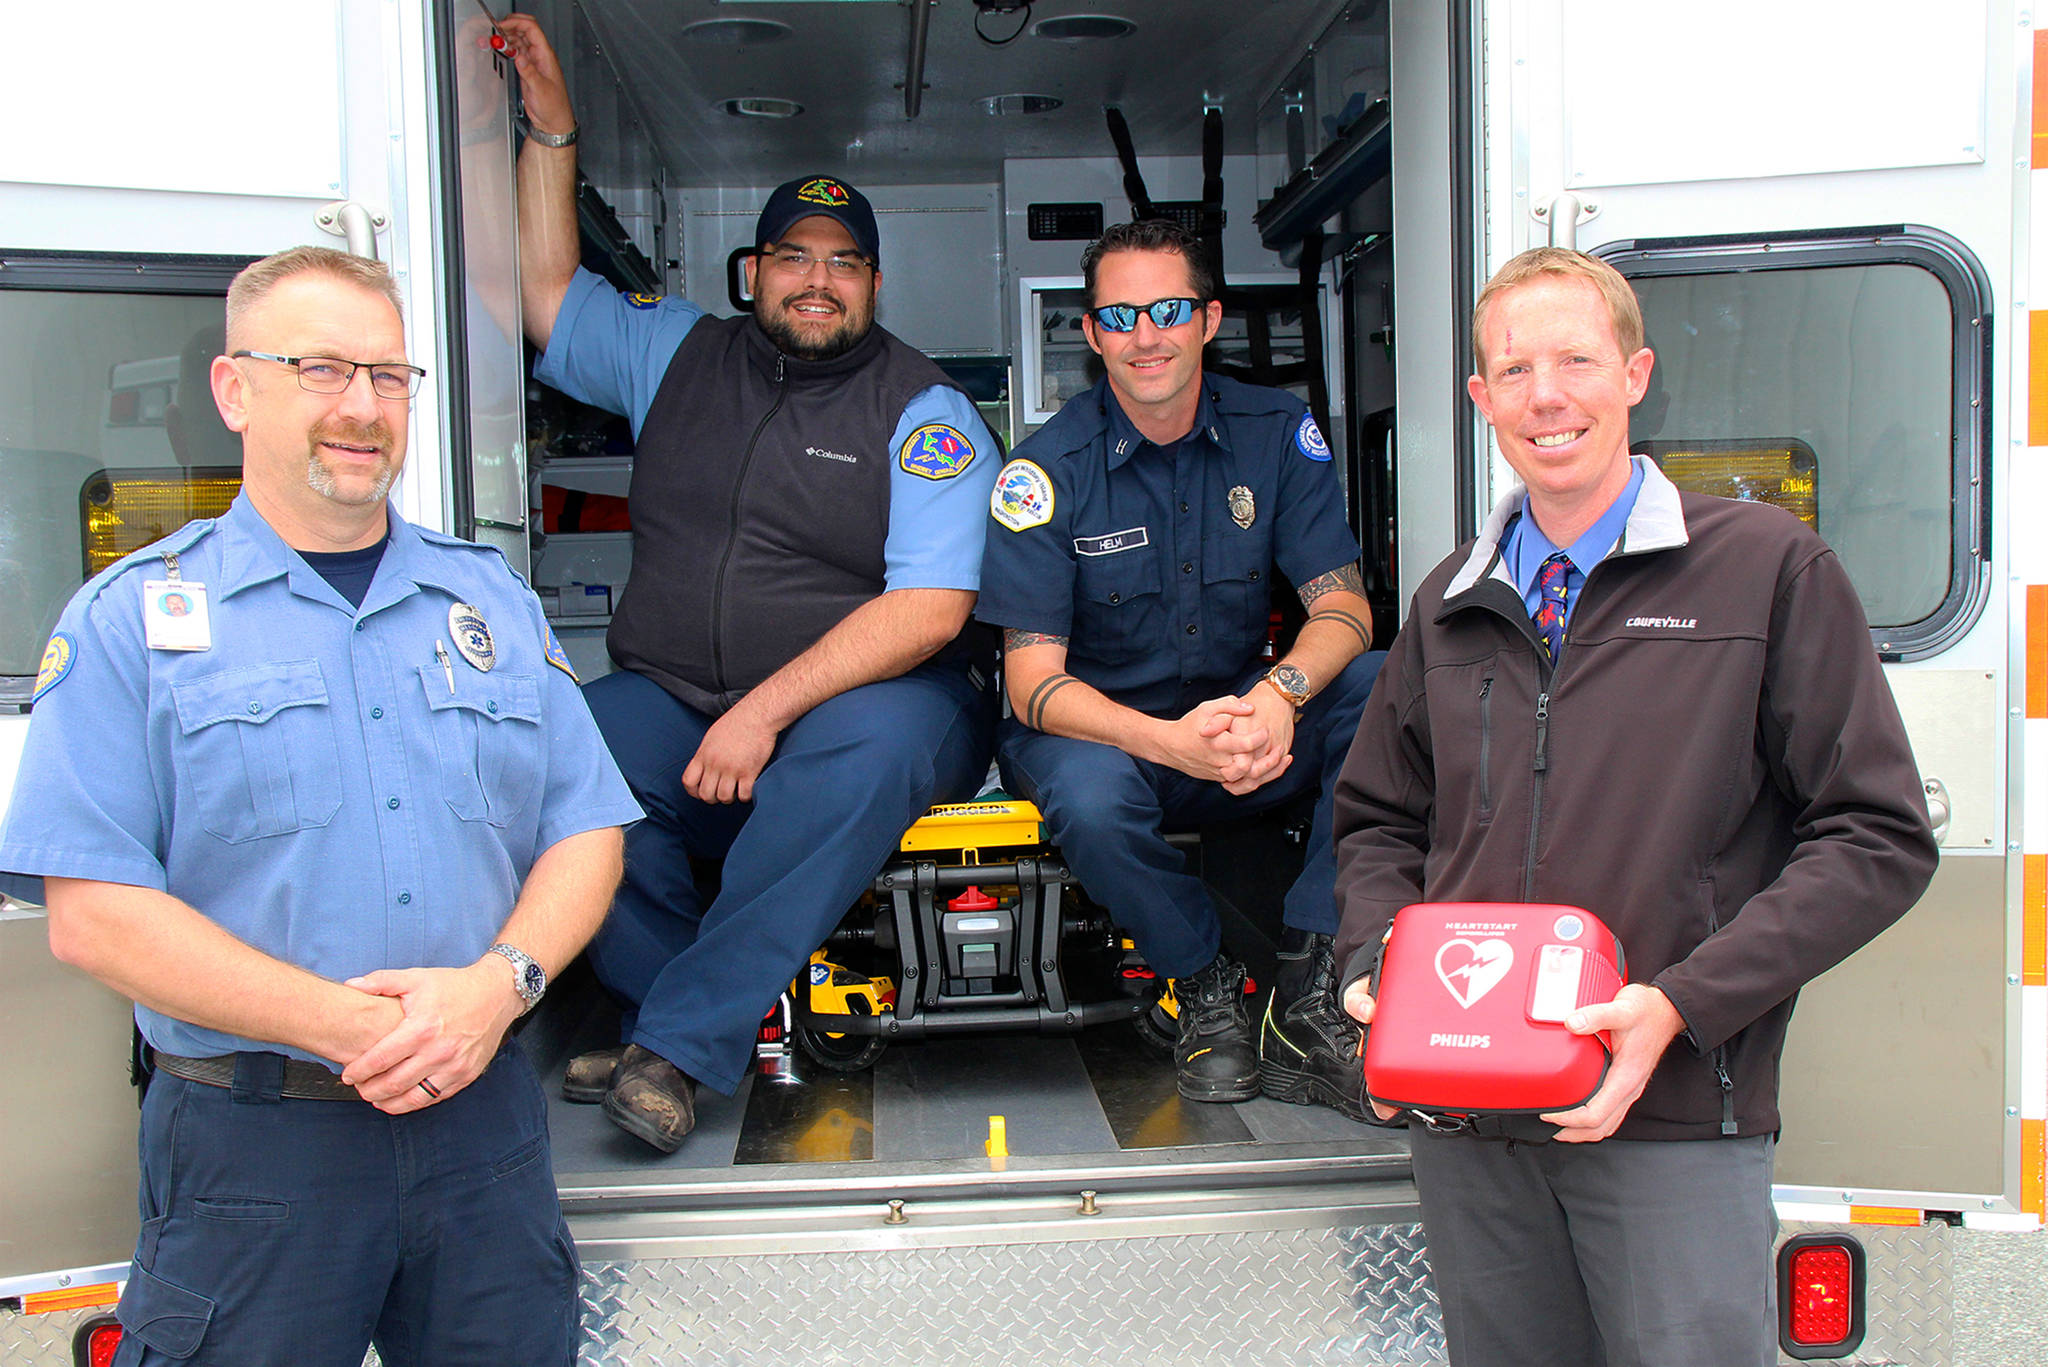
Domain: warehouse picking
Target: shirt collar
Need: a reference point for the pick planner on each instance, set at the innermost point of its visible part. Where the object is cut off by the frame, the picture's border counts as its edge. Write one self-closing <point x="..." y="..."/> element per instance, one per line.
<point x="1527" y="547"/>
<point x="253" y="553"/>
<point x="1123" y="438"/>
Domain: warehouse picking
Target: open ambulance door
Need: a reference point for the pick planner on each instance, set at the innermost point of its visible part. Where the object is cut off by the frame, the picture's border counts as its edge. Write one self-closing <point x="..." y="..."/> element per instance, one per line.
<point x="156" y="170"/>
<point x="1818" y="213"/>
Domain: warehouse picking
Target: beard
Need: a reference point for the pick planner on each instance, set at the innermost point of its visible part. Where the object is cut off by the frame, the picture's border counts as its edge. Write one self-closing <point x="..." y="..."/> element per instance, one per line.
<point x="808" y="343"/>
<point x="325" y="481"/>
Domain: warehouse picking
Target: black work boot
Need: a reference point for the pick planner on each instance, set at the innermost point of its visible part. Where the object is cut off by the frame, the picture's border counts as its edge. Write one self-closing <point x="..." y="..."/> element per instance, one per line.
<point x="1213" y="1057"/>
<point x="1308" y="1047"/>
<point x="589" y="1076"/>
<point x="651" y="1099"/>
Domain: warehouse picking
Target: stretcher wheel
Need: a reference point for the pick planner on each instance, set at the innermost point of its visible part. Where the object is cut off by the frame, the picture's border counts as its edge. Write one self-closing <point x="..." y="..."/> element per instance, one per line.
<point x="840" y="1053"/>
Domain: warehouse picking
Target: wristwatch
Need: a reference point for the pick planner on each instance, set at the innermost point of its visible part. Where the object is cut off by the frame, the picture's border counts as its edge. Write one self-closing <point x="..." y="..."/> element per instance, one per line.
<point x="1290" y="683"/>
<point x="532" y="980"/>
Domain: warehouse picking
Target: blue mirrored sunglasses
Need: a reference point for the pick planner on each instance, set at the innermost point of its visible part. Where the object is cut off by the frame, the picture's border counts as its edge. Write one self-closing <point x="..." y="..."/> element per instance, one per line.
<point x="1164" y="313"/>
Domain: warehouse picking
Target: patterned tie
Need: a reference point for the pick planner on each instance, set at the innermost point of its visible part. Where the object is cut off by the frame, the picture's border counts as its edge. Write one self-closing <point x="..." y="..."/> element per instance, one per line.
<point x="1551" y="601"/>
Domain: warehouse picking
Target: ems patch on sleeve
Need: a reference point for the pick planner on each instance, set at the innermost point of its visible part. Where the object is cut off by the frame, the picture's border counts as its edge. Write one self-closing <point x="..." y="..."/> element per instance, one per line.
<point x="643" y="301"/>
<point x="1022" y="498"/>
<point x="58" y="657"/>
<point x="1310" y="439"/>
<point x="559" y="657"/>
<point x="936" y="451"/>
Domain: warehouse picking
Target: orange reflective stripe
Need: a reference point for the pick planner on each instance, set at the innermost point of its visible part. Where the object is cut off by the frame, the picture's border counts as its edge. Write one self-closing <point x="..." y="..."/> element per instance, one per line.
<point x="2034" y="920"/>
<point x="1884" y="1215"/>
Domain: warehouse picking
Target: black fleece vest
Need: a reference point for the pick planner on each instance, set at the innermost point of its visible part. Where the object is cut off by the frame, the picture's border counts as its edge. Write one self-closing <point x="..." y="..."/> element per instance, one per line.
<point x="760" y="504"/>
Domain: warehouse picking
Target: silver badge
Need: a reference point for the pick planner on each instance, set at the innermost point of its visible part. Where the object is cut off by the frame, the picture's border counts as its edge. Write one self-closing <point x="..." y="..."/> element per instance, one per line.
<point x="472" y="636"/>
<point x="1241" y="510"/>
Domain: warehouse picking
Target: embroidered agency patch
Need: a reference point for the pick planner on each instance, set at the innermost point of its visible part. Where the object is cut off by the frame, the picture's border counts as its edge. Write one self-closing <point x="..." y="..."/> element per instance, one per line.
<point x="58" y="657"/>
<point x="643" y="301"/>
<point x="1310" y="439"/>
<point x="1022" y="498"/>
<point x="824" y="190"/>
<point x="559" y="657"/>
<point x="936" y="451"/>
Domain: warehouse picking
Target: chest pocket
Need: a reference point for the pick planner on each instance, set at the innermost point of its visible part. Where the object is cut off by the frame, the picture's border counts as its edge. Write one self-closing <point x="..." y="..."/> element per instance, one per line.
<point x="1237" y="599"/>
<point x="1120" y="613"/>
<point x="259" y="751"/>
<point x="488" y="739"/>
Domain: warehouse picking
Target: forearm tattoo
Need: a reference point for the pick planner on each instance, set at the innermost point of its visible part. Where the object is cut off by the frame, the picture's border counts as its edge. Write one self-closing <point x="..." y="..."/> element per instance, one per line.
<point x="1344" y="580"/>
<point x="1017" y="640"/>
<point x="1035" y="705"/>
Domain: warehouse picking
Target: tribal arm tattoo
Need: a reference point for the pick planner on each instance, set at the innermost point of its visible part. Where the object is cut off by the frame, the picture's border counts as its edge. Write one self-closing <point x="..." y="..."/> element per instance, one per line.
<point x="1032" y="714"/>
<point x="1017" y="640"/>
<point x="1346" y="579"/>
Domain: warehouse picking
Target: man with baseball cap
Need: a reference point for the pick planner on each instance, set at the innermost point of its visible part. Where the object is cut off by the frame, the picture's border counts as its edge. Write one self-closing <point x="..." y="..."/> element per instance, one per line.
<point x="796" y="680"/>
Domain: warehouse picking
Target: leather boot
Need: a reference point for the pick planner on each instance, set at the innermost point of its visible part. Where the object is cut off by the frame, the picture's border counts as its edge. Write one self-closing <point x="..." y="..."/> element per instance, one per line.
<point x="589" y="1076"/>
<point x="1308" y="1047"/>
<point x="1213" y="1057"/>
<point x="651" y="1099"/>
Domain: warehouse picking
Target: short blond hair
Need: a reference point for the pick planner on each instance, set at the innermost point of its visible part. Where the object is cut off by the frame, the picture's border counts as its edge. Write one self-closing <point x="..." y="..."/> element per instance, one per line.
<point x="1622" y="308"/>
<point x="257" y="280"/>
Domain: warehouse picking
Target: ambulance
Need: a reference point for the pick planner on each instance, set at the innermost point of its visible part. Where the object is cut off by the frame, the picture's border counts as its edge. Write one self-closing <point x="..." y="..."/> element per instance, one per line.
<point x="1827" y="210"/>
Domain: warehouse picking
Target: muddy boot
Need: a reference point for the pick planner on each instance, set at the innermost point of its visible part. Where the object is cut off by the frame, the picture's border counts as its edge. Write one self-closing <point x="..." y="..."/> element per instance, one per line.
<point x="1213" y="1057"/>
<point x="589" y="1076"/>
<point x="1308" y="1047"/>
<point x="651" y="1099"/>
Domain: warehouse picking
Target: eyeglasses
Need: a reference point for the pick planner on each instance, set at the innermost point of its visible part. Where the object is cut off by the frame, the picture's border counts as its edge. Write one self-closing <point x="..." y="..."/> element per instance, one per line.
<point x="1164" y="313"/>
<point x="839" y="265"/>
<point x="332" y="375"/>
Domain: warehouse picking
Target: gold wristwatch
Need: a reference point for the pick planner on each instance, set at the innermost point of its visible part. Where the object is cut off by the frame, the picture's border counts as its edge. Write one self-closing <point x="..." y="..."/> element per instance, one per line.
<point x="1290" y="683"/>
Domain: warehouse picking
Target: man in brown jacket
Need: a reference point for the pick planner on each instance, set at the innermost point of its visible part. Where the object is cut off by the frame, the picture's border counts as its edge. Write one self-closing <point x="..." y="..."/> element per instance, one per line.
<point x="1664" y="708"/>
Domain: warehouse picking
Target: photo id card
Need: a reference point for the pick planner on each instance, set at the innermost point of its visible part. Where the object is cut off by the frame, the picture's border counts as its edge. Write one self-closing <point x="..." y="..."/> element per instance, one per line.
<point x="174" y="615"/>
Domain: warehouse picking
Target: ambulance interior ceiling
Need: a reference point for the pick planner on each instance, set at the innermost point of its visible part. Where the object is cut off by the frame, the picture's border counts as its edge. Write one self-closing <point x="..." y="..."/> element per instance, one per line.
<point x="679" y="63"/>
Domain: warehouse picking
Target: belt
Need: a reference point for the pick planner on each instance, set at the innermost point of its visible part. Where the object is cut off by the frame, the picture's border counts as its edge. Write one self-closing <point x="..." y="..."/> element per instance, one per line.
<point x="303" y="1081"/>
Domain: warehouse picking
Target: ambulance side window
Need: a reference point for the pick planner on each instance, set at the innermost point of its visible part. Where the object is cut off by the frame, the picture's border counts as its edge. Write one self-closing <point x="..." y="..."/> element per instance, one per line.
<point x="108" y="433"/>
<point x="1841" y="376"/>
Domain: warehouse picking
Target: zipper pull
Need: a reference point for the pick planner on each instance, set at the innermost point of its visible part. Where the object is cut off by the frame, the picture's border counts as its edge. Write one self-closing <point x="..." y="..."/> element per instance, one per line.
<point x="1542" y="760"/>
<point x="447" y="668"/>
<point x="778" y="367"/>
<point x="1727" y="1093"/>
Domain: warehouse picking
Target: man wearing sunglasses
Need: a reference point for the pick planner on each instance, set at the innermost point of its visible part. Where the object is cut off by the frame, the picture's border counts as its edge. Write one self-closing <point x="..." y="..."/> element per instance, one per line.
<point x="317" y="790"/>
<point x="797" y="679"/>
<point x="1131" y="562"/>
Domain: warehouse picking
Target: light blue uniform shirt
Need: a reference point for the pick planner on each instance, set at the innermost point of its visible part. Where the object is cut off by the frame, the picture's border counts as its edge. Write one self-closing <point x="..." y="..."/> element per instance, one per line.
<point x="612" y="350"/>
<point x="1527" y="547"/>
<point x="314" y="781"/>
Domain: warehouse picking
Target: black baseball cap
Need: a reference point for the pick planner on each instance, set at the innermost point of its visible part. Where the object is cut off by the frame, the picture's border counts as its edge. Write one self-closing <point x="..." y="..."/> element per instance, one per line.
<point x="820" y="195"/>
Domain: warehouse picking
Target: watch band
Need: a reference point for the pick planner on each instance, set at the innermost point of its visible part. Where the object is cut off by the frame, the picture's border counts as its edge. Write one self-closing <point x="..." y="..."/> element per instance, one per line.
<point x="1276" y="676"/>
<point x="567" y="139"/>
<point x="532" y="979"/>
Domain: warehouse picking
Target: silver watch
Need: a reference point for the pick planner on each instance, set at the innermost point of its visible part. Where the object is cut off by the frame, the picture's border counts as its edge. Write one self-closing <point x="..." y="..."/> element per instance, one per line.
<point x="532" y="980"/>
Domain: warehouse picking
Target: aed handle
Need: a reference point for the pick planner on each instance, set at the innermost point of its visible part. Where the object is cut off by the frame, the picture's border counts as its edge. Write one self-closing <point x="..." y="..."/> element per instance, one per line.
<point x="735" y="279"/>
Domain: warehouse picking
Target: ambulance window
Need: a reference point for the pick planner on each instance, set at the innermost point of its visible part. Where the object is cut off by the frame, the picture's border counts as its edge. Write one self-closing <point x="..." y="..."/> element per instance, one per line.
<point x="108" y="433"/>
<point x="1841" y="376"/>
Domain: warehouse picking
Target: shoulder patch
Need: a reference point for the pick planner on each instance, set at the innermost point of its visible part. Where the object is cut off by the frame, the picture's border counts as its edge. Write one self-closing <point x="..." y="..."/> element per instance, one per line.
<point x="58" y="657"/>
<point x="559" y="657"/>
<point x="1309" y="438"/>
<point x="1022" y="498"/>
<point x="936" y="451"/>
<point x="643" y="301"/>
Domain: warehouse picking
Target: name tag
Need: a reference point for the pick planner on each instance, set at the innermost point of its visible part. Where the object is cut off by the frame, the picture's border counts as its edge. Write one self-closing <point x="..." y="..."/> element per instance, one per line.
<point x="1129" y="539"/>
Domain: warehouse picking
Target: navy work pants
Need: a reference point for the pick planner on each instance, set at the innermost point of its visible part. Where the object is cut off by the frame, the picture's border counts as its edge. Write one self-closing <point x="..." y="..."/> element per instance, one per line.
<point x="1624" y="1253"/>
<point x="846" y="780"/>
<point x="279" y="1232"/>
<point x="1108" y="812"/>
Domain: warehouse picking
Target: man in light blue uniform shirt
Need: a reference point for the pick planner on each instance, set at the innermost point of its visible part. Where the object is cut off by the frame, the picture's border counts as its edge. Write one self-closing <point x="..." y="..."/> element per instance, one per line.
<point x="796" y="678"/>
<point x="317" y="789"/>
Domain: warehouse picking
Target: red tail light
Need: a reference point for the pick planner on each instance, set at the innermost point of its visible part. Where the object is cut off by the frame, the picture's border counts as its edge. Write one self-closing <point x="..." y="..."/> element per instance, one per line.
<point x="1820" y="1295"/>
<point x="94" y="1343"/>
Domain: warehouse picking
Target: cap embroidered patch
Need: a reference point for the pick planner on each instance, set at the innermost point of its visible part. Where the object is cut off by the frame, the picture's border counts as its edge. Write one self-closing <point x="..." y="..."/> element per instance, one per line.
<point x="824" y="190"/>
<point x="643" y="301"/>
<point x="1022" y="498"/>
<point x="1310" y="439"/>
<point x="58" y="656"/>
<point x="559" y="657"/>
<point x="936" y="451"/>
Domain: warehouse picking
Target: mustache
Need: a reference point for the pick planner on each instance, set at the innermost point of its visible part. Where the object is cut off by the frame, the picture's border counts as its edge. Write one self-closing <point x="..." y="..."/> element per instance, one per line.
<point x="377" y="434"/>
<point x="813" y="296"/>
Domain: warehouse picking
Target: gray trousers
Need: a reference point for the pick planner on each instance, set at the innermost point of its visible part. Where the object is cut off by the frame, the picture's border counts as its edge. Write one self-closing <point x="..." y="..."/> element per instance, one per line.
<point x="1624" y="1253"/>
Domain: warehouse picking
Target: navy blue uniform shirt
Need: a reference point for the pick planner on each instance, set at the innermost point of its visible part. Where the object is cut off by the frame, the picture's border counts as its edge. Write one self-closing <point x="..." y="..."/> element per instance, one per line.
<point x="1157" y="563"/>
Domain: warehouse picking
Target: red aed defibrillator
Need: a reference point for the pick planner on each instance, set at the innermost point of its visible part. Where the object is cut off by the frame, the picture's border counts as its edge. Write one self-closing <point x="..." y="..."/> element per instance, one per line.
<point x="1471" y="1000"/>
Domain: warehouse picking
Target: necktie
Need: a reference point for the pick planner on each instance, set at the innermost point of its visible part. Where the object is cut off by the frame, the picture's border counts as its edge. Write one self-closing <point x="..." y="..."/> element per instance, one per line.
<point x="1551" y="602"/>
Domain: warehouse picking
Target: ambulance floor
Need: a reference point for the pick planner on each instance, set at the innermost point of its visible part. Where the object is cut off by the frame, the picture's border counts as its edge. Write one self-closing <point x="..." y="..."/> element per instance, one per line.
<point x="1099" y="1092"/>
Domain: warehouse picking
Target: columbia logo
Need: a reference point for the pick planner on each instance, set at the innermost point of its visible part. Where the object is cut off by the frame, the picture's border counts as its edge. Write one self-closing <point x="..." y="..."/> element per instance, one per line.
<point x="831" y="455"/>
<point x="1667" y="623"/>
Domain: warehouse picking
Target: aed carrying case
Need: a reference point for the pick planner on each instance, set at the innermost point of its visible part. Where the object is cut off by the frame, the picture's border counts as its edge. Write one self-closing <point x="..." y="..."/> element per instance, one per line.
<point x="1471" y="999"/>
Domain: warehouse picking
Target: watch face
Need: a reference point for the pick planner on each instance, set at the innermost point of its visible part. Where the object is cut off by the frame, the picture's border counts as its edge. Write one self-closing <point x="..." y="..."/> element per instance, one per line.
<point x="536" y="979"/>
<point x="1292" y="679"/>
